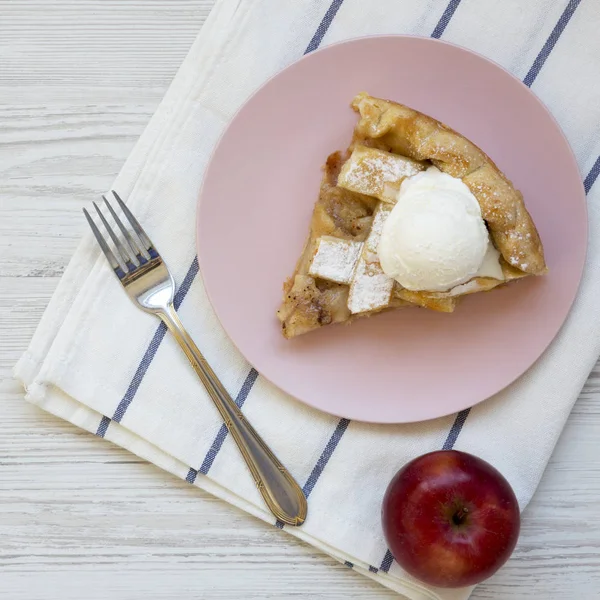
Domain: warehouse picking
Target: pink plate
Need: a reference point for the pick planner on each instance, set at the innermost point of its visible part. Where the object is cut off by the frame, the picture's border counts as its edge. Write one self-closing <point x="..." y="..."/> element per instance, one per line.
<point x="259" y="192"/>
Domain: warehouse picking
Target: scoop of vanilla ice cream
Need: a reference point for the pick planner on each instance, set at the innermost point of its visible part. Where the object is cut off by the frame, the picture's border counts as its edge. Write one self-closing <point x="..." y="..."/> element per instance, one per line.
<point x="435" y="237"/>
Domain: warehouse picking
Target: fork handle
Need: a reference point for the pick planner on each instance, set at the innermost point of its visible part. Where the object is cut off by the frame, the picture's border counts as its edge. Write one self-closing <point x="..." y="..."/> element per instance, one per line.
<point x="282" y="494"/>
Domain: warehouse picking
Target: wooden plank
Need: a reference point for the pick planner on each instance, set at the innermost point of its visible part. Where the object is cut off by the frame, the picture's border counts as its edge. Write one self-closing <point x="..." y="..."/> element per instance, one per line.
<point x="54" y="159"/>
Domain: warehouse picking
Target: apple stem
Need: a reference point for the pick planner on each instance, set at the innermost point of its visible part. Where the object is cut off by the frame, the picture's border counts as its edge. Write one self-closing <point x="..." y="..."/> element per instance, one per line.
<point x="460" y="515"/>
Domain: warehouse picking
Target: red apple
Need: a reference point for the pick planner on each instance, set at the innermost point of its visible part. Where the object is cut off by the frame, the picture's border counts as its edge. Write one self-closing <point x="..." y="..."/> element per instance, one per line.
<point x="450" y="519"/>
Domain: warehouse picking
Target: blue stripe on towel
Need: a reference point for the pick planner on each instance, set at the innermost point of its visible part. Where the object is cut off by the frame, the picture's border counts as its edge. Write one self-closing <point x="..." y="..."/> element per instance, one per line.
<point x="323" y="26"/>
<point x="387" y="561"/>
<point x="588" y="182"/>
<point x="547" y="48"/>
<point x="104" y="423"/>
<point x="445" y="19"/>
<point x="150" y="353"/>
<point x="140" y="372"/>
<point x="456" y="428"/>
<point x="222" y="433"/>
<point x="329" y="449"/>
<point x="154" y="345"/>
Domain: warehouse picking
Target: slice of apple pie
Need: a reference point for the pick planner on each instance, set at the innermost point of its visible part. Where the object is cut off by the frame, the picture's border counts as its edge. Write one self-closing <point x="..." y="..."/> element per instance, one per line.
<point x="412" y="213"/>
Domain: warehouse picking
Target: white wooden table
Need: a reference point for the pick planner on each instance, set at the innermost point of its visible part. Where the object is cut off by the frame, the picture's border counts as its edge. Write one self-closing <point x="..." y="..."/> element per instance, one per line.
<point x="80" y="518"/>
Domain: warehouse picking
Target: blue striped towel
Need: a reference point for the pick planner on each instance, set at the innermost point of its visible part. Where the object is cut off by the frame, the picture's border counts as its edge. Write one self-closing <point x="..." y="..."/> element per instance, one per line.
<point x="147" y="399"/>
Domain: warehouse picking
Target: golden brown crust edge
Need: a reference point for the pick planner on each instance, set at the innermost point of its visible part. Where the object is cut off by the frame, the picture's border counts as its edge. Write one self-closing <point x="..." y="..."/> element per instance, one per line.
<point x="398" y="128"/>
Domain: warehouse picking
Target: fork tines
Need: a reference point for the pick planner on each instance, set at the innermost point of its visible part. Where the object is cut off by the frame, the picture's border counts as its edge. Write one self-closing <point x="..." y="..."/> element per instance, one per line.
<point x="134" y="250"/>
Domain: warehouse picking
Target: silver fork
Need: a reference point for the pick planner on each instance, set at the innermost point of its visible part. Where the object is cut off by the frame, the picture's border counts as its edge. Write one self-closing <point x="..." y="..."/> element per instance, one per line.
<point x="148" y="282"/>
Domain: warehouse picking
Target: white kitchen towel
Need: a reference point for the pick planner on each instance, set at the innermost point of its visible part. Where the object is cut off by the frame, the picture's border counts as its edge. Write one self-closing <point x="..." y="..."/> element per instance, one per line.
<point x="100" y="363"/>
